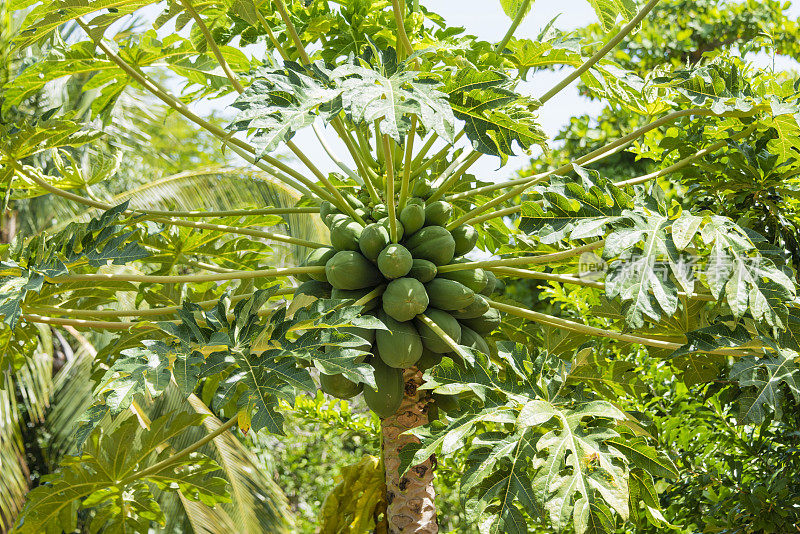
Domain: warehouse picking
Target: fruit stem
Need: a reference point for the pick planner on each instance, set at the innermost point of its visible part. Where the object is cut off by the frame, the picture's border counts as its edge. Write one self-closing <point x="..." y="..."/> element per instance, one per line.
<point x="406" y="184"/>
<point x="387" y="149"/>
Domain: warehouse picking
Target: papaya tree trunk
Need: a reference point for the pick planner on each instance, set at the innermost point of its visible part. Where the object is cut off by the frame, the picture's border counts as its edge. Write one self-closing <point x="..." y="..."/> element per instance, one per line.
<point x="411" y="497"/>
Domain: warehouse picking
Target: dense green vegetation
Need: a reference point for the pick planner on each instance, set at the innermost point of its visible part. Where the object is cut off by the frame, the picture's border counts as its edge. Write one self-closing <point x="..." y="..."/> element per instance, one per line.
<point x="401" y="345"/>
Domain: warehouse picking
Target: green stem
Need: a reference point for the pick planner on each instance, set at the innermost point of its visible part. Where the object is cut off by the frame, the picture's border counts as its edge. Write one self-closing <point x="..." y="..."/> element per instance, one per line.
<point x="523" y="10"/>
<point x="390" y="189"/>
<point x="271" y="35"/>
<point x="298" y="43"/>
<point x="418" y="170"/>
<point x="402" y="37"/>
<point x="157" y="467"/>
<point x="187" y="278"/>
<point x="362" y="166"/>
<point x="523" y="260"/>
<point x="466" y="162"/>
<point x="82" y="323"/>
<point x="405" y="186"/>
<point x="628" y="28"/>
<point x="430" y="323"/>
<point x="424" y="150"/>
<point x="213" y="46"/>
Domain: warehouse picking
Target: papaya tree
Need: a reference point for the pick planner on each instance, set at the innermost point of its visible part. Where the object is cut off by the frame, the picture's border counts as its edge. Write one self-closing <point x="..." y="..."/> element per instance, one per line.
<point x="384" y="279"/>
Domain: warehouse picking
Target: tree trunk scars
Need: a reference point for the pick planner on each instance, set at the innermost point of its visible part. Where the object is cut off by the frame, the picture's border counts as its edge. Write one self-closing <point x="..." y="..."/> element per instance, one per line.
<point x="410" y="497"/>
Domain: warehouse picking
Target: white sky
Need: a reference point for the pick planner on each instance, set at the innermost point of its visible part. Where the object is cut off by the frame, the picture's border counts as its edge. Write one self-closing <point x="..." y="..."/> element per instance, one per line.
<point x="486" y="20"/>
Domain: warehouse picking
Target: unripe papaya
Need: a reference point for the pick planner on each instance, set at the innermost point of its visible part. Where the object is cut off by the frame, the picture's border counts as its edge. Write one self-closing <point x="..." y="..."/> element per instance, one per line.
<point x="432" y="243"/>
<point x="422" y="270"/>
<point x="478" y="307"/>
<point x="350" y="270"/>
<point x="448" y="294"/>
<point x="400" y="346"/>
<point x="385" y="400"/>
<point x="338" y="386"/>
<point x="318" y="258"/>
<point x="484" y="324"/>
<point x="470" y="338"/>
<point x="335" y="218"/>
<point x="430" y="339"/>
<point x="325" y="209"/>
<point x="490" y="284"/>
<point x="395" y="261"/>
<point x="379" y="212"/>
<point x="374" y="238"/>
<point x="412" y="217"/>
<point x="345" y="234"/>
<point x="400" y="230"/>
<point x="422" y="188"/>
<point x="465" y="237"/>
<point x="353" y="200"/>
<point x="321" y="290"/>
<point x="428" y="359"/>
<point x="438" y="213"/>
<point x="404" y="299"/>
<point x="475" y="279"/>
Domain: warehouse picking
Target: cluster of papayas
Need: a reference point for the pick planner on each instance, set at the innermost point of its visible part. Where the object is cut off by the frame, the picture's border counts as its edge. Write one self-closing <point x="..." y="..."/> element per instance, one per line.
<point x="363" y="257"/>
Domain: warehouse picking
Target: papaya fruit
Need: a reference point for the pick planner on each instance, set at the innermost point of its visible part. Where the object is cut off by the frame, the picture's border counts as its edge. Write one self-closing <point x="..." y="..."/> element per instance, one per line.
<point x="345" y="234"/>
<point x="400" y="346"/>
<point x="478" y="307"/>
<point x="400" y="230"/>
<point x="431" y="339"/>
<point x="356" y="294"/>
<point x="350" y="270"/>
<point x="448" y="294"/>
<point x="318" y="258"/>
<point x="466" y="237"/>
<point x="321" y="290"/>
<point x="386" y="399"/>
<point x="412" y="217"/>
<point x="418" y="201"/>
<point x="379" y="212"/>
<point x="446" y="403"/>
<point x="490" y="284"/>
<point x="335" y="218"/>
<point x="395" y="261"/>
<point x="438" y="213"/>
<point x="374" y="238"/>
<point x="470" y="338"/>
<point x="338" y="386"/>
<point x="325" y="209"/>
<point x="475" y="279"/>
<point x="367" y="334"/>
<point x="404" y="299"/>
<point x="428" y="360"/>
<point x="422" y="270"/>
<point x="484" y="324"/>
<point x="432" y="243"/>
<point x="353" y="200"/>
<point x="422" y="188"/>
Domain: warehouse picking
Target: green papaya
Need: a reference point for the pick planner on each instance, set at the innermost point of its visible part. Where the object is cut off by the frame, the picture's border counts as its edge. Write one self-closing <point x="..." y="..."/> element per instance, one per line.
<point x="350" y="270"/>
<point x="318" y="258"/>
<point x="484" y="324"/>
<point x="385" y="400"/>
<point x="475" y="279"/>
<point x="404" y="299"/>
<point x="334" y="218"/>
<point x="412" y="217"/>
<point x="465" y="237"/>
<point x="418" y="201"/>
<point x="491" y="283"/>
<point x="438" y="213"/>
<point x="379" y="212"/>
<point x="353" y="200"/>
<point x="356" y="294"/>
<point x="395" y="261"/>
<point x="361" y="212"/>
<point x="430" y="339"/>
<point x="432" y="243"/>
<point x="345" y="234"/>
<point x="374" y="238"/>
<point x="367" y="334"/>
<point x="428" y="360"/>
<point x="499" y="286"/>
<point x="446" y="403"/>
<point x="422" y="270"/>
<point x="400" y="230"/>
<point x="422" y="188"/>
<point x="478" y="307"/>
<point x="470" y="338"/>
<point x="321" y="290"/>
<point x="400" y="346"/>
<point x="448" y="294"/>
<point x="338" y="386"/>
<point x="325" y="209"/>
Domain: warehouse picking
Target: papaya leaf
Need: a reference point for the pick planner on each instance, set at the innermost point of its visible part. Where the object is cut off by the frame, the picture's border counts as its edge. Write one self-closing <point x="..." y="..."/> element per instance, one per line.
<point x="608" y="11"/>
<point x="513" y="7"/>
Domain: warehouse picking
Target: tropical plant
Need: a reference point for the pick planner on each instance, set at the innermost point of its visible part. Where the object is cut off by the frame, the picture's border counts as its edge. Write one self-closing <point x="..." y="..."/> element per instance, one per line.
<point x="394" y="303"/>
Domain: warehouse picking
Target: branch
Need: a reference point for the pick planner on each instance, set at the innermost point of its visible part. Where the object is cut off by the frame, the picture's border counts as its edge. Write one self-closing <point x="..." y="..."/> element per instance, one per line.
<point x="82" y="323"/>
<point x="524" y="260"/>
<point x="430" y="323"/>
<point x="390" y="189"/>
<point x="187" y="278"/>
<point x="523" y="10"/>
<point x="292" y="31"/>
<point x="405" y="185"/>
<point x="402" y="37"/>
<point x="465" y="161"/>
<point x="628" y="28"/>
<point x="213" y="45"/>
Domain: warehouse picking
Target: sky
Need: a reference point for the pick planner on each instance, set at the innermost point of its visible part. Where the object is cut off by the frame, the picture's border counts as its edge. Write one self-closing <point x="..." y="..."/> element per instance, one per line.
<point x="487" y="21"/>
